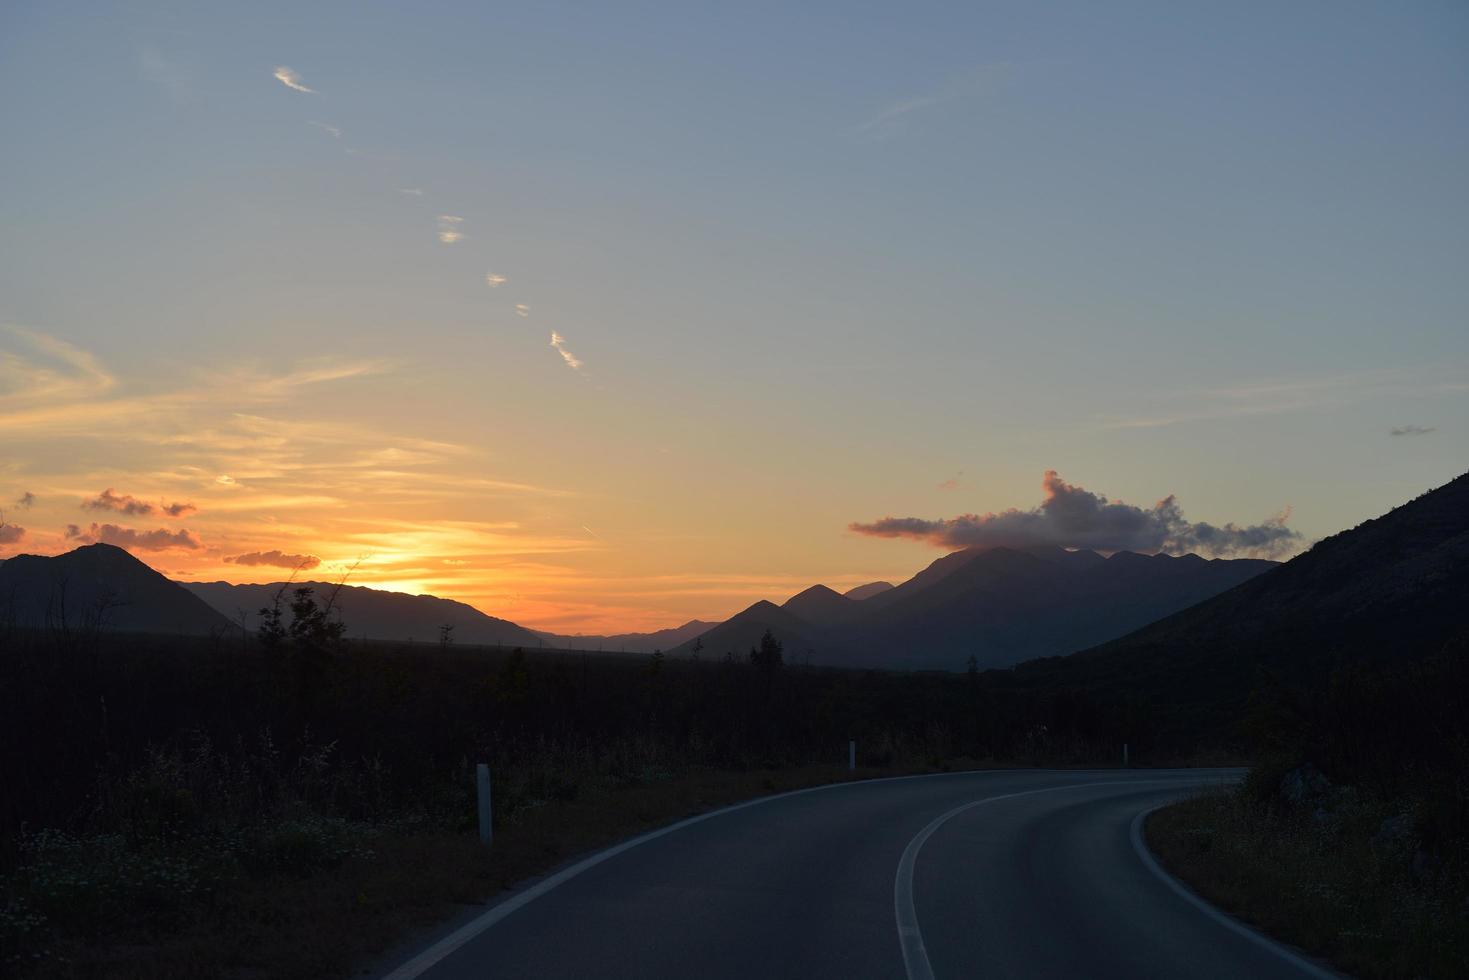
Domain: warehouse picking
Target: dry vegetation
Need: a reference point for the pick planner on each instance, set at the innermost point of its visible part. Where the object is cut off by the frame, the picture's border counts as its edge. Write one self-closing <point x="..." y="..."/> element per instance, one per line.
<point x="192" y="807"/>
<point x="1351" y="839"/>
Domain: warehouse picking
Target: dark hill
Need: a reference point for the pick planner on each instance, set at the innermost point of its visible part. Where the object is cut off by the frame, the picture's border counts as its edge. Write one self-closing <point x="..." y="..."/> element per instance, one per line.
<point x="665" y="639"/>
<point x="1392" y="588"/>
<point x="742" y="631"/>
<point x="999" y="605"/>
<point x="867" y="591"/>
<point x="377" y="614"/>
<point x="103" y="586"/>
<point x="1004" y="606"/>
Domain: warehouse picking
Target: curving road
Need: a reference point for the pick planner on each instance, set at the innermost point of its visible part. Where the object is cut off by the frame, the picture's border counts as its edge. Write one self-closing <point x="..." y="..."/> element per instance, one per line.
<point x="995" y="874"/>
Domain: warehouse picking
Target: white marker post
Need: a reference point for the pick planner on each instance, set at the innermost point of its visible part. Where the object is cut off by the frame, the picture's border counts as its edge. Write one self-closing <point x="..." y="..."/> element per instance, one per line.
<point x="482" y="784"/>
<point x="851" y="756"/>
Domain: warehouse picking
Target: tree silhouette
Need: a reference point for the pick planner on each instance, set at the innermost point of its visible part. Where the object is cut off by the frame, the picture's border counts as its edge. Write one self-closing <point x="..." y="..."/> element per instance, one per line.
<point x="313" y="626"/>
<point x="768" y="657"/>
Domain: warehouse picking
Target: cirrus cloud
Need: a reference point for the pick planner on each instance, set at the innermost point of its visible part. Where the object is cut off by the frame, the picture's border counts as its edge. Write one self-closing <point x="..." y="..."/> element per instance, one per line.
<point x="291" y="80"/>
<point x="1073" y="517"/>
<point x="449" y="232"/>
<point x="559" y="342"/>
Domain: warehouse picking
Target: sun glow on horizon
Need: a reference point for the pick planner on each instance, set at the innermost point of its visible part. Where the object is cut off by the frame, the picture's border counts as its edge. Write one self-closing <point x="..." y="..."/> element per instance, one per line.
<point x="664" y="338"/>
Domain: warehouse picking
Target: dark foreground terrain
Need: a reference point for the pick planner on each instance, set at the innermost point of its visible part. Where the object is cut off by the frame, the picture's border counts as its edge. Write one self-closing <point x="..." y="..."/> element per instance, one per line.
<point x="182" y="806"/>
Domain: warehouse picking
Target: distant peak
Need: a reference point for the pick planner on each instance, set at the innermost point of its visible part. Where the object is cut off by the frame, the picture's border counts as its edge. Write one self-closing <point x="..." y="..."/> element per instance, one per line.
<point x="867" y="591"/>
<point x="815" y="592"/>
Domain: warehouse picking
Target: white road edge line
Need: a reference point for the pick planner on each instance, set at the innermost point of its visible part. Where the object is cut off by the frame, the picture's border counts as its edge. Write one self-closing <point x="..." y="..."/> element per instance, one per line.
<point x="426" y="960"/>
<point x="1222" y="918"/>
<point x="910" y="938"/>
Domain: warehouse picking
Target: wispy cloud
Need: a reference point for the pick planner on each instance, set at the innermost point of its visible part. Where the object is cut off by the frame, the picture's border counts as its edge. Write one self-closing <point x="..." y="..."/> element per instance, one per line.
<point x="26" y="501"/>
<point x="495" y="281"/>
<point x="952" y="483"/>
<point x="559" y="342"/>
<point x="522" y="310"/>
<point x="273" y="386"/>
<point x="11" y="533"/>
<point x="51" y="369"/>
<point x="1275" y="396"/>
<point x="167" y="75"/>
<point x="1412" y="430"/>
<point x="880" y="122"/>
<point x="411" y="191"/>
<point x="334" y="131"/>
<point x="291" y="80"/>
<point x="889" y="121"/>
<point x="275" y="460"/>
<point x="449" y="232"/>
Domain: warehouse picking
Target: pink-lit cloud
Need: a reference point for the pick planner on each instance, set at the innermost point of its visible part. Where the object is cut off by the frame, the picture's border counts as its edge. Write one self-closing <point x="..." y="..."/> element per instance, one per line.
<point x="278" y="559"/>
<point x="1073" y="517"/>
<point x="161" y="539"/>
<point x="124" y="503"/>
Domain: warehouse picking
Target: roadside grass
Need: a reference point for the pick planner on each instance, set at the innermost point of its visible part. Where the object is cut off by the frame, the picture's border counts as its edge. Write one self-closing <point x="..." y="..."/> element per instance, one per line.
<point x="1379" y="908"/>
<point x="319" y="897"/>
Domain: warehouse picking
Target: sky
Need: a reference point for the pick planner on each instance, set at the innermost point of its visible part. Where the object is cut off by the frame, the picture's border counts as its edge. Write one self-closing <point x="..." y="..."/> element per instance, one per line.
<point x="606" y="317"/>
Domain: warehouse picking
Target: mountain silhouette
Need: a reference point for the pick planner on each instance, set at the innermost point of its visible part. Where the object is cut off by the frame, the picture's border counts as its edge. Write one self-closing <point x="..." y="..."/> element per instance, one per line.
<point x="102" y="586"/>
<point x="822" y="607"/>
<point x="1391" y="589"/>
<point x="867" y="591"/>
<point x="999" y="605"/>
<point x="376" y="614"/>
<point x="665" y="639"/>
<point x="742" y="632"/>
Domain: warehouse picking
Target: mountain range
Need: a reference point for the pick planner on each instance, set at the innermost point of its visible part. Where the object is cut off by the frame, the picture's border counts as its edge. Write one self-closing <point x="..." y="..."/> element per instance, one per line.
<point x="668" y="639"/>
<point x="376" y="614"/>
<point x="630" y="642"/>
<point x="1000" y="606"/>
<point x="1395" y="588"/>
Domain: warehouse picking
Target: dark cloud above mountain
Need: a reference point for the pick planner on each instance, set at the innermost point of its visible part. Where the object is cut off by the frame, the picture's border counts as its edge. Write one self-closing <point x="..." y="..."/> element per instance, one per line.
<point x="1073" y="517"/>
<point x="11" y="533"/>
<point x="124" y="503"/>
<point x="125" y="537"/>
<point x="278" y="559"/>
<point x="1411" y="430"/>
<point x="26" y="500"/>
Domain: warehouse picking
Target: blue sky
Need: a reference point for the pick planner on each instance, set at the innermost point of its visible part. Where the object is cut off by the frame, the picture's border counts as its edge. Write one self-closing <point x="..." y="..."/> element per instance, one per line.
<point x="816" y="264"/>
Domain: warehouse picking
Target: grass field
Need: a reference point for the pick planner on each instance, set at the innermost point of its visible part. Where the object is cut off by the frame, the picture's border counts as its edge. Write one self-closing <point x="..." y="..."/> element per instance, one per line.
<point x="1378" y="909"/>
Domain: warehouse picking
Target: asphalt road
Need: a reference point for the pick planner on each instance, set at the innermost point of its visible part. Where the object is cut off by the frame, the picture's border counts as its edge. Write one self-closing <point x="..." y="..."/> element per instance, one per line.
<point x="999" y="874"/>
